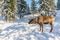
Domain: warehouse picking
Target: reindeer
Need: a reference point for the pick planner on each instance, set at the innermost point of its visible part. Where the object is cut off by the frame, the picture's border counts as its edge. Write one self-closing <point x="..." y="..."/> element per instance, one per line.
<point x="43" y="20"/>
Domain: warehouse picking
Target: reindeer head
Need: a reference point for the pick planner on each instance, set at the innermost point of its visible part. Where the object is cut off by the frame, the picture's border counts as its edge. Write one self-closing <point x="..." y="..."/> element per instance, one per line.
<point x="32" y="21"/>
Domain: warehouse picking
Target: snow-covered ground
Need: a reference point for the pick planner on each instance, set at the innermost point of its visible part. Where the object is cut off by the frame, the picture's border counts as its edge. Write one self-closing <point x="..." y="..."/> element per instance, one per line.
<point x="21" y="30"/>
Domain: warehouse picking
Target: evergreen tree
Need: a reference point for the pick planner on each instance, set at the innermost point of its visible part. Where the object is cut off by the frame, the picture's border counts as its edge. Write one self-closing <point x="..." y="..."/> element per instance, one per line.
<point x="11" y="10"/>
<point x="47" y="7"/>
<point x="58" y="4"/>
<point x="1" y="7"/>
<point x="28" y="10"/>
<point x="21" y="7"/>
<point x="33" y="6"/>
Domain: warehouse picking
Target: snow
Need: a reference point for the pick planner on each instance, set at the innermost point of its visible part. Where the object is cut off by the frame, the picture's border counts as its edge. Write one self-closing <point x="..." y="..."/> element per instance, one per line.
<point x="21" y="30"/>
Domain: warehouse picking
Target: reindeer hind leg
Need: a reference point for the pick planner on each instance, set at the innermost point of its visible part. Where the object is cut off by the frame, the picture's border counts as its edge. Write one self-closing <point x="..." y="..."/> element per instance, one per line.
<point x="51" y="27"/>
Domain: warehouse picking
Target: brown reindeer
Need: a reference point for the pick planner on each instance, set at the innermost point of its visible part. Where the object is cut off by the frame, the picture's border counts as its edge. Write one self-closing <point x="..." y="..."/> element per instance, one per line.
<point x="43" y="20"/>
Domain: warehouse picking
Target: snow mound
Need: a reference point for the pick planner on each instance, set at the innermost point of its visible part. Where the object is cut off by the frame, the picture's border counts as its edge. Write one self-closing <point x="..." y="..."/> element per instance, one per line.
<point x="21" y="30"/>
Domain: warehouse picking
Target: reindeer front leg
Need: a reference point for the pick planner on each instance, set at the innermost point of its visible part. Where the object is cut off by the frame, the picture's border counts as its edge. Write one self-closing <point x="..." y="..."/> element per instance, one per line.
<point x="51" y="27"/>
<point x="42" y="28"/>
